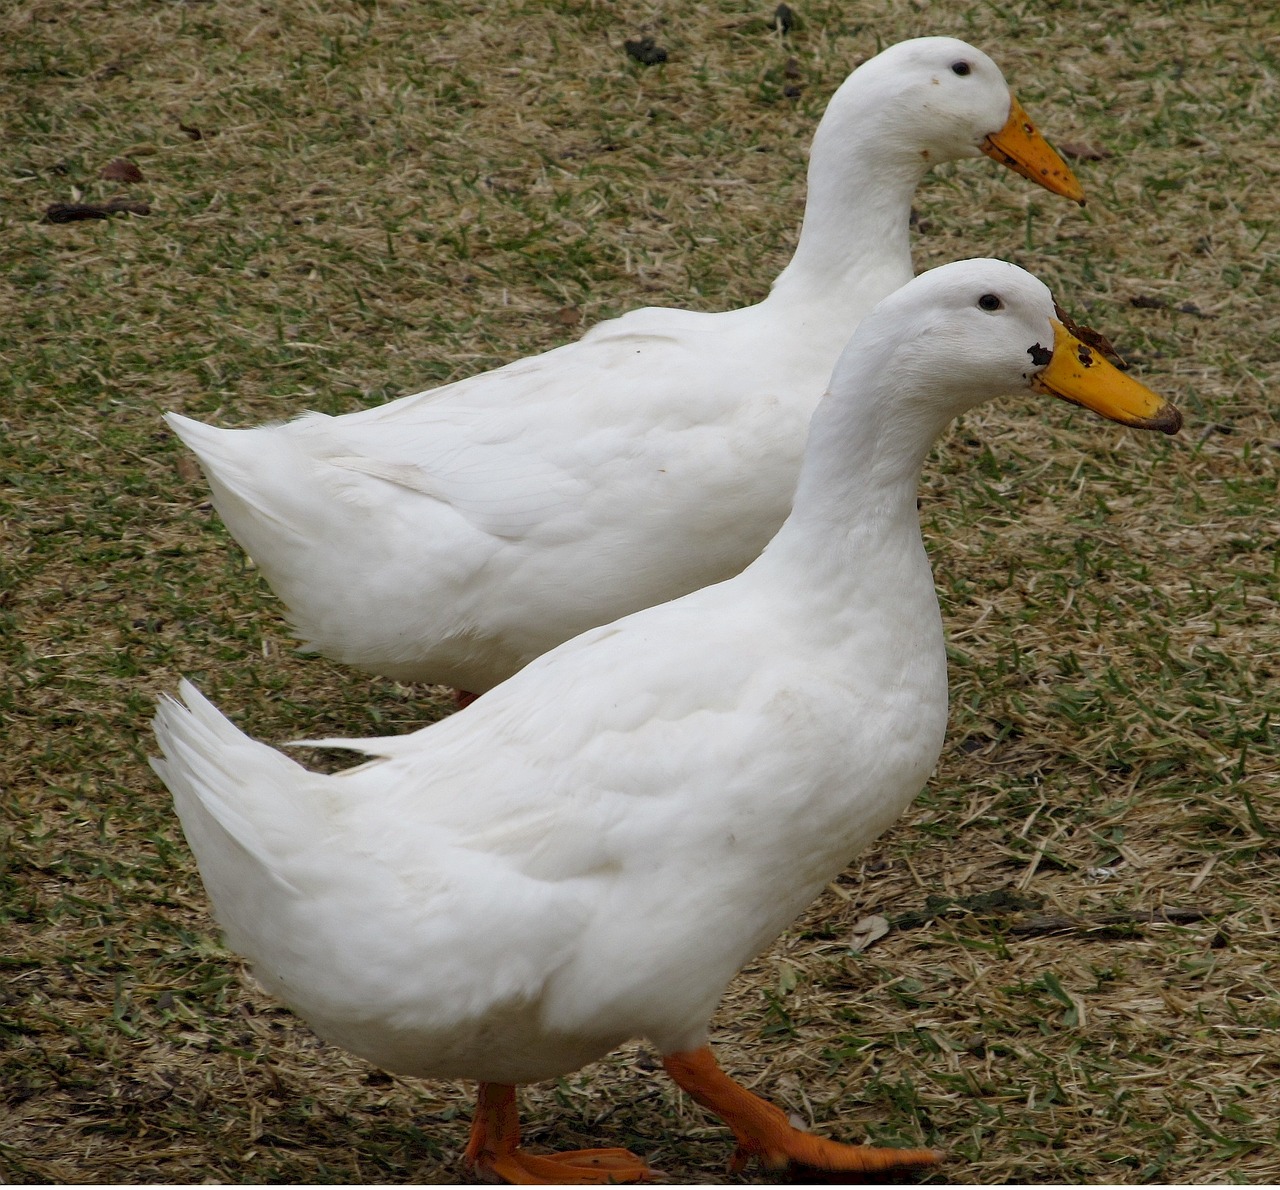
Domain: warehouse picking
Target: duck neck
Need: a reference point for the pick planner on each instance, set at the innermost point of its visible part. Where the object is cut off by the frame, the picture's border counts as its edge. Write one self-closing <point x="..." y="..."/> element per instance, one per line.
<point x="854" y="517"/>
<point x="855" y="243"/>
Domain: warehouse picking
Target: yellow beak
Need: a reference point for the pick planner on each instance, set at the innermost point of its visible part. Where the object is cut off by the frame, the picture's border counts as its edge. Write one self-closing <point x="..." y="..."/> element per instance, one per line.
<point x="1020" y="146"/>
<point x="1077" y="373"/>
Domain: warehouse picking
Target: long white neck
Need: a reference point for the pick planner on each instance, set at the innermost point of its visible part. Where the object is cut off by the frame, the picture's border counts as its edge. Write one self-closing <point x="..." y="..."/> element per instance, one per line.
<point x="854" y="530"/>
<point x="855" y="243"/>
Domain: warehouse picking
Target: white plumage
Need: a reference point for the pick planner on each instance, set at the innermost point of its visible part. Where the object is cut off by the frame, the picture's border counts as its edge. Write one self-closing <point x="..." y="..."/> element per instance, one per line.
<point x="453" y="535"/>
<point x="592" y="850"/>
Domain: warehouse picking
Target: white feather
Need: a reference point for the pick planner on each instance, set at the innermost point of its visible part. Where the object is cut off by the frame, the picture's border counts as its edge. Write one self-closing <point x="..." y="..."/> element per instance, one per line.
<point x="453" y="535"/>
<point x="592" y="850"/>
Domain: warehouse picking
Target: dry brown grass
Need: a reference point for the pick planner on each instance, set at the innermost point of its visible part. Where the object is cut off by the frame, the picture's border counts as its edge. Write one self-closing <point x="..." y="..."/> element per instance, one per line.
<point x="392" y="194"/>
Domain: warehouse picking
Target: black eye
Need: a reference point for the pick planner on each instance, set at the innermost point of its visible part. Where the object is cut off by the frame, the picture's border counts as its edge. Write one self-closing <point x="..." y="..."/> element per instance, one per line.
<point x="989" y="301"/>
<point x="961" y="68"/>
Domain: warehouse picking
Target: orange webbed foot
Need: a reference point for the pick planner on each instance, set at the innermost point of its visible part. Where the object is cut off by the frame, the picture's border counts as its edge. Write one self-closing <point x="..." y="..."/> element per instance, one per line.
<point x="803" y="1151"/>
<point x="596" y="1167"/>
<point x="495" y="1150"/>
<point x="764" y="1132"/>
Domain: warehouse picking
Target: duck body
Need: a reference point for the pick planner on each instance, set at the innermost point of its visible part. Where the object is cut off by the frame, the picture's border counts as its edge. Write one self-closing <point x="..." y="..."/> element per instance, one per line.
<point x="453" y="535"/>
<point x="591" y="851"/>
<point x="514" y="891"/>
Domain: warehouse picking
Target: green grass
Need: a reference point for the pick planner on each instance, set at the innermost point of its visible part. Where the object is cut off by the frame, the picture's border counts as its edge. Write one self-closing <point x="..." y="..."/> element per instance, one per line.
<point x="385" y="197"/>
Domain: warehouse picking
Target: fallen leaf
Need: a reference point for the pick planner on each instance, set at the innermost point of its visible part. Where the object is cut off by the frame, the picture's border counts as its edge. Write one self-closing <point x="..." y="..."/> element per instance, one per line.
<point x="73" y="212"/>
<point x="868" y="930"/>
<point x="121" y="170"/>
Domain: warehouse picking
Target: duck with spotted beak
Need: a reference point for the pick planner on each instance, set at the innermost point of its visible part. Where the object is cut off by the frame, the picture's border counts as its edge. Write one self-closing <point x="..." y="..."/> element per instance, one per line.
<point x="590" y="852"/>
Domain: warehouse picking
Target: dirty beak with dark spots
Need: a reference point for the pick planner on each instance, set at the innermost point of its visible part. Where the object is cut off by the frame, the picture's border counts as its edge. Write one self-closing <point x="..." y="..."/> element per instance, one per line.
<point x="1021" y="147"/>
<point x="1077" y="373"/>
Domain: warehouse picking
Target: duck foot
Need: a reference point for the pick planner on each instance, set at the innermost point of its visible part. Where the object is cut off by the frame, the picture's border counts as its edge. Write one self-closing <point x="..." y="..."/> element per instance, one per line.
<point x="494" y="1150"/>
<point x="600" y="1167"/>
<point x="762" y="1130"/>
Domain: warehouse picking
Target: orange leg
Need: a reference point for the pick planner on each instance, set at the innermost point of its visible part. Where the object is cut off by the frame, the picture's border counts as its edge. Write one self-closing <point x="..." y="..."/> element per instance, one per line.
<point x="495" y="1150"/>
<point x="763" y="1131"/>
<point x="463" y="698"/>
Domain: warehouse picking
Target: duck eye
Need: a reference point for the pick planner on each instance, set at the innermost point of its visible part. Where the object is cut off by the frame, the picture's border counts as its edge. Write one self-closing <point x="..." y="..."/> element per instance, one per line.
<point x="989" y="301"/>
<point x="960" y="68"/>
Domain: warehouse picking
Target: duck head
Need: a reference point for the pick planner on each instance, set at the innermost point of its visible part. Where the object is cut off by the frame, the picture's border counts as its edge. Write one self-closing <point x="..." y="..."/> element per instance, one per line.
<point x="943" y="99"/>
<point x="977" y="329"/>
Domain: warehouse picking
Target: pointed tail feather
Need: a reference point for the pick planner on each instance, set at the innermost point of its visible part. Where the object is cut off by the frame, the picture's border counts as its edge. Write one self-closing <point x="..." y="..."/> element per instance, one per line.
<point x="244" y="807"/>
<point x="238" y="465"/>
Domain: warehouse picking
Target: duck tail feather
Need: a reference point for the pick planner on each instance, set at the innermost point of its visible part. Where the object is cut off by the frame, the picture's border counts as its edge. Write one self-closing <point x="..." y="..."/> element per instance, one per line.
<point x="241" y="803"/>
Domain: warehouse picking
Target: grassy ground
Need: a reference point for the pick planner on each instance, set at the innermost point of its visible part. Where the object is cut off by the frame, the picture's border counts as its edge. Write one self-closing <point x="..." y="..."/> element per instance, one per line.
<point x="350" y="201"/>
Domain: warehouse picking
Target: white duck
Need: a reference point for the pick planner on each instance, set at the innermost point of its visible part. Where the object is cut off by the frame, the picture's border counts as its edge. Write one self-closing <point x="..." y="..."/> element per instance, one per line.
<point x="592" y="850"/>
<point x="454" y="535"/>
